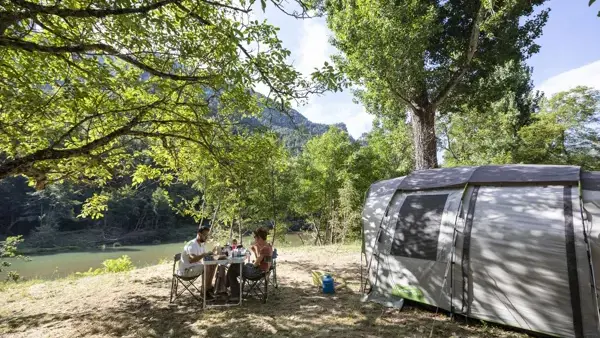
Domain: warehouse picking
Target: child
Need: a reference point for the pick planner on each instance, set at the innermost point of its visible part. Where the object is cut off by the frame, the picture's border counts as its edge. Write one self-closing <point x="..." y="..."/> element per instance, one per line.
<point x="234" y="244"/>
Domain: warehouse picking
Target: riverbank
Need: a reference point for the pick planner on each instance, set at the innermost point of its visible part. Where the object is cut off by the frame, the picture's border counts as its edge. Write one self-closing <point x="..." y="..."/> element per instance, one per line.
<point x="91" y="239"/>
<point x="136" y="304"/>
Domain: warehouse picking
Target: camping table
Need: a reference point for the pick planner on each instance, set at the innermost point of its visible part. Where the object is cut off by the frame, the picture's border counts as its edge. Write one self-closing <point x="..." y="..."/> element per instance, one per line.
<point x="227" y="261"/>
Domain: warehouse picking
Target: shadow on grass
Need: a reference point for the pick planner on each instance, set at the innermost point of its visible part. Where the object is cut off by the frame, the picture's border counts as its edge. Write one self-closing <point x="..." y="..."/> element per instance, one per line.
<point x="295" y="309"/>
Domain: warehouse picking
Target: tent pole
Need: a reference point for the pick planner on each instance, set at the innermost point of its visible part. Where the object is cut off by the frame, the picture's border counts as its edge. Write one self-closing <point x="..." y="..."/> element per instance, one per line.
<point x="362" y="245"/>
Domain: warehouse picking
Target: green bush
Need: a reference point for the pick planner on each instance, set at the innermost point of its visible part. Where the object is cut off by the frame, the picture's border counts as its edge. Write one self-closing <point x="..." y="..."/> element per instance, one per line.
<point x="120" y="264"/>
<point x="8" y="249"/>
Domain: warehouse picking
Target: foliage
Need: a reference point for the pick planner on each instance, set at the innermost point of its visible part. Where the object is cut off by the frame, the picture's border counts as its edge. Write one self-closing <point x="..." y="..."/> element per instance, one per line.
<point x="390" y="145"/>
<point x="120" y="264"/>
<point x="429" y="56"/>
<point x="562" y="129"/>
<point x="88" y="87"/>
<point x="565" y="131"/>
<point x="333" y="174"/>
<point x="483" y="132"/>
<point x="8" y="249"/>
<point x="591" y="3"/>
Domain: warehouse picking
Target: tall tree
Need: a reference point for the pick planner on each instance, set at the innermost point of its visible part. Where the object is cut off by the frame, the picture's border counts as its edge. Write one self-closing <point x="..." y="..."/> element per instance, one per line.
<point x="428" y="56"/>
<point x="321" y="171"/>
<point x="82" y="80"/>
<point x="483" y="132"/>
<point x="565" y="131"/>
<point x="390" y="143"/>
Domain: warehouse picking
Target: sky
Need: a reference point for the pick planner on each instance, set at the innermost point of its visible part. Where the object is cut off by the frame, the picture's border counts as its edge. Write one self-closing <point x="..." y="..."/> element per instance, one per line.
<point x="569" y="56"/>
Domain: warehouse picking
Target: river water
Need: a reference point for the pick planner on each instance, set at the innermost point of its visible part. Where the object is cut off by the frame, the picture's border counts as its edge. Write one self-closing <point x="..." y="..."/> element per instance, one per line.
<point x="57" y="265"/>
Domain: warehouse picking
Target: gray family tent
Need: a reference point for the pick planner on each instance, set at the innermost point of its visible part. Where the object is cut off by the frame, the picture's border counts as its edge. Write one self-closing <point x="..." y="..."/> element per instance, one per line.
<point x="517" y="244"/>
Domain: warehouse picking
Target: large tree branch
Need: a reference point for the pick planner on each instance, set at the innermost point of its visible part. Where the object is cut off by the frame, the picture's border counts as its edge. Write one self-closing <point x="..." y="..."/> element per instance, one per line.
<point x="203" y="143"/>
<point x="393" y="89"/>
<point x="303" y="14"/>
<point x="470" y="52"/>
<point x="263" y="73"/>
<point x="109" y="50"/>
<point x="75" y="126"/>
<point x="33" y="9"/>
<point x="19" y="165"/>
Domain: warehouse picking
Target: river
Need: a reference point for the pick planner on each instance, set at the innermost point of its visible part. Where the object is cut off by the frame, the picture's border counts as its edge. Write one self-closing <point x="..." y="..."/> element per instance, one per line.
<point x="62" y="264"/>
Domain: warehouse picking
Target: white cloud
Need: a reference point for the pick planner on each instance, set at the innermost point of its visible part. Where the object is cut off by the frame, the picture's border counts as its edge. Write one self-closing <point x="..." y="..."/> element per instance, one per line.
<point x="588" y="75"/>
<point x="336" y="108"/>
<point x="314" y="48"/>
<point x="308" y="40"/>
<point x="359" y="123"/>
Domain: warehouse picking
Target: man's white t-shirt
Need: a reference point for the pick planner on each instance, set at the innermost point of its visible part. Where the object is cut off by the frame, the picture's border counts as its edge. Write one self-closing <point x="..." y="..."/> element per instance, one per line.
<point x="191" y="248"/>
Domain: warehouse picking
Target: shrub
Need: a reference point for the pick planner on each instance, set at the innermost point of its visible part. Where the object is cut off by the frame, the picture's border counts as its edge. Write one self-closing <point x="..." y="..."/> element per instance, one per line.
<point x="8" y="248"/>
<point x="120" y="264"/>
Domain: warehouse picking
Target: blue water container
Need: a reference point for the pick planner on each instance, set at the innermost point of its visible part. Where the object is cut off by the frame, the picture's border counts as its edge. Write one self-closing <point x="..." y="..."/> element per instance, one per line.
<point x="328" y="286"/>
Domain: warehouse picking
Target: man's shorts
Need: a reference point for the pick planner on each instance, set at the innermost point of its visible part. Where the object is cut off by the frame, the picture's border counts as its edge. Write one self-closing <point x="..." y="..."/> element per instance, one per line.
<point x="192" y="271"/>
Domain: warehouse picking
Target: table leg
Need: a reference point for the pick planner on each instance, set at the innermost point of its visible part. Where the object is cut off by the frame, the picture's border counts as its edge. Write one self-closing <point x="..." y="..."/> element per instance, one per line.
<point x="241" y="284"/>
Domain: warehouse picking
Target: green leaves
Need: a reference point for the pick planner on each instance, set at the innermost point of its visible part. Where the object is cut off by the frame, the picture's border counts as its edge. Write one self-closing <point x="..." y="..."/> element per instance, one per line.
<point x="95" y="206"/>
<point x="565" y="130"/>
<point x="8" y="249"/>
<point x="93" y="78"/>
<point x="428" y="57"/>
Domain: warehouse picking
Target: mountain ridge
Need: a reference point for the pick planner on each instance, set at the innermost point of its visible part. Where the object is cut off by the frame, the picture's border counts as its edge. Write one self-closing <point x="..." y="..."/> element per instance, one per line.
<point x="294" y="128"/>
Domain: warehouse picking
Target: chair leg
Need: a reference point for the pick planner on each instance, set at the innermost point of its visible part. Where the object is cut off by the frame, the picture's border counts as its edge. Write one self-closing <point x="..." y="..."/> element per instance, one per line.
<point x="186" y="287"/>
<point x="266" y="294"/>
<point x="253" y="288"/>
<point x="173" y="290"/>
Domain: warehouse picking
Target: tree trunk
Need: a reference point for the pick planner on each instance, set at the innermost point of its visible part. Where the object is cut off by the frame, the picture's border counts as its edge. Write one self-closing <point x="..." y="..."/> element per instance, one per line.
<point x="240" y="228"/>
<point x="424" y="140"/>
<point x="301" y="239"/>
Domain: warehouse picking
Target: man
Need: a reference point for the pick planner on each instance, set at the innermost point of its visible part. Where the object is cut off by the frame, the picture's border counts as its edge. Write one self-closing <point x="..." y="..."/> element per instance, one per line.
<point x="263" y="252"/>
<point x="193" y="253"/>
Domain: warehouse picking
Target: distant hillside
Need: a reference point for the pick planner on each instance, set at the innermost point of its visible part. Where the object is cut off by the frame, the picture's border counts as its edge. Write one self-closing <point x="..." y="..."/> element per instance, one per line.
<point x="294" y="128"/>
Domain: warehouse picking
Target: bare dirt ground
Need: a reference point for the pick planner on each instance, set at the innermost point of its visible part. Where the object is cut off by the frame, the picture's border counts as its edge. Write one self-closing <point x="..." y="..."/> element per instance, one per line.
<point x="136" y="304"/>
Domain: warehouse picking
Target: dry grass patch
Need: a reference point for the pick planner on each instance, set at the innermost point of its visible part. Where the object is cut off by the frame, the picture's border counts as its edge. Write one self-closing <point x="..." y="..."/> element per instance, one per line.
<point x="136" y="304"/>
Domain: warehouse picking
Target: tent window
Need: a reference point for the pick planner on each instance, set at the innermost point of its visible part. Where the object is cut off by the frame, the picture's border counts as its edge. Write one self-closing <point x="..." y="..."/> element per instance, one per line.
<point x="418" y="226"/>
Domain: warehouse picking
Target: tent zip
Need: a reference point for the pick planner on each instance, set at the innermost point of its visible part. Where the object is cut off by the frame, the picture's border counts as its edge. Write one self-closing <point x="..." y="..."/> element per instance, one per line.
<point x="387" y="209"/>
<point x="453" y="248"/>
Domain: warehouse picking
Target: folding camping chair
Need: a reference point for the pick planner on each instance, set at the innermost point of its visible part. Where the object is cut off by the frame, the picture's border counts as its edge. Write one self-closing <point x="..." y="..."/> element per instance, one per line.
<point x="186" y="282"/>
<point x="259" y="286"/>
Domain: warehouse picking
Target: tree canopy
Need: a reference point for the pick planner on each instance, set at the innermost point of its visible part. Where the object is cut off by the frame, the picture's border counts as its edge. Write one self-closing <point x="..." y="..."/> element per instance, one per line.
<point x="86" y="85"/>
<point x="428" y="57"/>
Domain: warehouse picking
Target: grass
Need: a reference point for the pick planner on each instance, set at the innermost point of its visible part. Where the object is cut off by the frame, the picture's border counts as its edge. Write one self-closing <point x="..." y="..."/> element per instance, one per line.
<point x="136" y="304"/>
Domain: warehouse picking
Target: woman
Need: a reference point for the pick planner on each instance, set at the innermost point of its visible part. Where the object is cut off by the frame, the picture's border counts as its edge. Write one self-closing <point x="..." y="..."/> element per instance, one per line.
<point x="263" y="251"/>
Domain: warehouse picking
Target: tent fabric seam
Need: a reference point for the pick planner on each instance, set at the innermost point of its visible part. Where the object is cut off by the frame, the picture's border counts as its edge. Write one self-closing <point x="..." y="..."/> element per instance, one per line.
<point x="466" y="259"/>
<point x="572" y="263"/>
